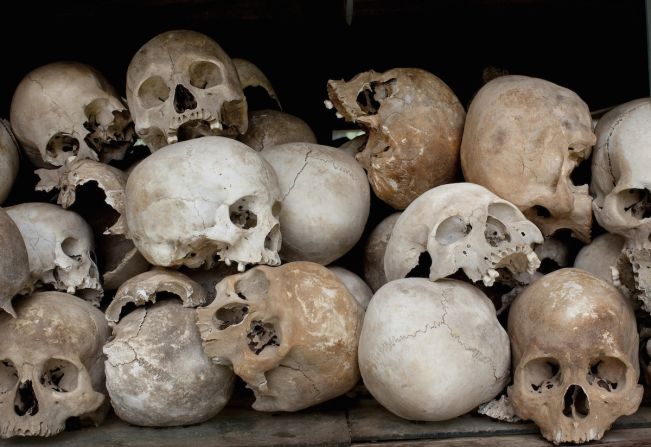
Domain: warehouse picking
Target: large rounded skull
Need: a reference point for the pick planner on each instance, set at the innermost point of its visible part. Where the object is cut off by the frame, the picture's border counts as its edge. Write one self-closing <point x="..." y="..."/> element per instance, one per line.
<point x="181" y="85"/>
<point x="290" y="333"/>
<point x="522" y="139"/>
<point x="9" y="160"/>
<point x="68" y="109"/>
<point x="210" y="196"/>
<point x="14" y="263"/>
<point x="51" y="365"/>
<point x="575" y="353"/>
<point x="462" y="226"/>
<point x="414" y="124"/>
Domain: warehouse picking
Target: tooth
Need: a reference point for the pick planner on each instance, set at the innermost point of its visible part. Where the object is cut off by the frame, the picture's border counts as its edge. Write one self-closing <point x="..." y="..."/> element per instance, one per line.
<point x="489" y="278"/>
<point x="339" y="115"/>
<point x="227" y="261"/>
<point x="240" y="267"/>
<point x="171" y="139"/>
<point x="328" y="104"/>
<point x="216" y="125"/>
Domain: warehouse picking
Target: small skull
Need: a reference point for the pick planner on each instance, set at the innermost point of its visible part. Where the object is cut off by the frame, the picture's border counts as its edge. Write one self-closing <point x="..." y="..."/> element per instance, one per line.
<point x="462" y="226"/>
<point x="9" y="160"/>
<point x="414" y="124"/>
<point x="14" y="263"/>
<point x="68" y="109"/>
<point x="193" y="200"/>
<point x="182" y="85"/>
<point x="376" y="246"/>
<point x="51" y="365"/>
<point x="60" y="248"/>
<point x="575" y="354"/>
<point x="290" y="333"/>
<point x="522" y="140"/>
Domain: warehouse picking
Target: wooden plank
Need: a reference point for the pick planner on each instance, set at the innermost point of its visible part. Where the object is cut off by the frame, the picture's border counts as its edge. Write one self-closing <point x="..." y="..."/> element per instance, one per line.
<point x="230" y="428"/>
<point x="371" y="422"/>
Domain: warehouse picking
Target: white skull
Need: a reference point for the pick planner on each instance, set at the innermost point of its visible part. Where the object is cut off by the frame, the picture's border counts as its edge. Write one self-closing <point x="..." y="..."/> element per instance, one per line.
<point x="14" y="263"/>
<point x="60" y="248"/>
<point x="432" y="351"/>
<point x="462" y="226"/>
<point x="210" y="196"/>
<point x="9" y="160"/>
<point x="51" y="365"/>
<point x="156" y="355"/>
<point x="181" y="85"/>
<point x="621" y="184"/>
<point x="290" y="332"/>
<point x="600" y="257"/>
<point x="575" y="356"/>
<point x="68" y="109"/>
<point x="376" y="245"/>
<point x="522" y="139"/>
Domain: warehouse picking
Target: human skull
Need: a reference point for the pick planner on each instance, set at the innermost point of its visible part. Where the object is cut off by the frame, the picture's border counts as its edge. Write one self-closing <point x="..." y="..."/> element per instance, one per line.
<point x="462" y="226"/>
<point x="101" y="191"/>
<point x="621" y="184"/>
<point x="51" y="365"/>
<point x="326" y="201"/>
<point x="14" y="263"/>
<point x="376" y="245"/>
<point x="196" y="199"/>
<point x="522" y="139"/>
<point x="600" y="257"/>
<point x="268" y="128"/>
<point x="251" y="76"/>
<point x="355" y="285"/>
<point x="182" y="85"/>
<point x="290" y="333"/>
<point x="414" y="124"/>
<point x="60" y="248"/>
<point x="68" y="109"/>
<point x="9" y="160"/>
<point x="575" y="353"/>
<point x="431" y="351"/>
<point x="157" y="374"/>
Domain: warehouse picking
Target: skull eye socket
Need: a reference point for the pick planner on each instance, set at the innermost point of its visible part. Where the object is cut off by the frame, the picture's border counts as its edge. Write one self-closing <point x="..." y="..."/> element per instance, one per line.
<point x="607" y="373"/>
<point x="231" y="315"/>
<point x="59" y="375"/>
<point x="8" y="376"/>
<point x="62" y="144"/>
<point x="205" y="74"/>
<point x="542" y="374"/>
<point x="241" y="214"/>
<point x="452" y="230"/>
<point x="72" y="248"/>
<point x="261" y="335"/>
<point x="635" y="203"/>
<point x="153" y="92"/>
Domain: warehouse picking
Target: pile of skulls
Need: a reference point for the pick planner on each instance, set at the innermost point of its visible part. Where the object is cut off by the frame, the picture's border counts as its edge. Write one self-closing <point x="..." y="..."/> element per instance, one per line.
<point x="193" y="241"/>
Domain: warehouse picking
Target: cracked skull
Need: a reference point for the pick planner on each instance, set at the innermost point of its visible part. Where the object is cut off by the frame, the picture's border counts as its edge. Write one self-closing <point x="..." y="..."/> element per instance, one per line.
<point x="462" y="226"/>
<point x="68" y="109"/>
<point x="290" y="332"/>
<point x="14" y="263"/>
<point x="51" y="365"/>
<point x="60" y="248"/>
<point x="621" y="184"/>
<point x="522" y="139"/>
<point x="575" y="355"/>
<point x="432" y="351"/>
<point x="414" y="124"/>
<point x="194" y="200"/>
<point x="182" y="85"/>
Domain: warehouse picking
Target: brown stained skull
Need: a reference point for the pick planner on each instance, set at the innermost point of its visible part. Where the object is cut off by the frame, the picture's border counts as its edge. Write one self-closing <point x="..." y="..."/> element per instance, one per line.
<point x="575" y="354"/>
<point x="51" y="365"/>
<point x="290" y="332"/>
<point x="69" y="109"/>
<point x="14" y="263"/>
<point x="182" y="85"/>
<point x="414" y="124"/>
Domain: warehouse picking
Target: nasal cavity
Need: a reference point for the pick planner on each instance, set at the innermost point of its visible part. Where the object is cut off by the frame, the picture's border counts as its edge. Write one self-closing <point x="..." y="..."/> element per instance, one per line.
<point x="576" y="402"/>
<point x="25" y="402"/>
<point x="183" y="99"/>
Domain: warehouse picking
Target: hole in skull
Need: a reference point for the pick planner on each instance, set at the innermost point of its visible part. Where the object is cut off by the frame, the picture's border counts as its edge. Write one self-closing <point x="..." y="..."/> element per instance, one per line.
<point x="452" y="230"/>
<point x="607" y="373"/>
<point x="183" y="99"/>
<point x="580" y="175"/>
<point x="241" y="215"/>
<point x="111" y="138"/>
<point x="371" y="97"/>
<point x="8" y="376"/>
<point x="422" y="268"/>
<point x="541" y="211"/>
<point x="576" y="402"/>
<point x="59" y="375"/>
<point x="205" y="74"/>
<point x="153" y="92"/>
<point x="231" y="315"/>
<point x="636" y="202"/>
<point x="72" y="248"/>
<point x="496" y="232"/>
<point x="548" y="265"/>
<point x="261" y="335"/>
<point x="542" y="374"/>
<point x="257" y="98"/>
<point x="62" y="144"/>
<point x="194" y="129"/>
<point x="25" y="402"/>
